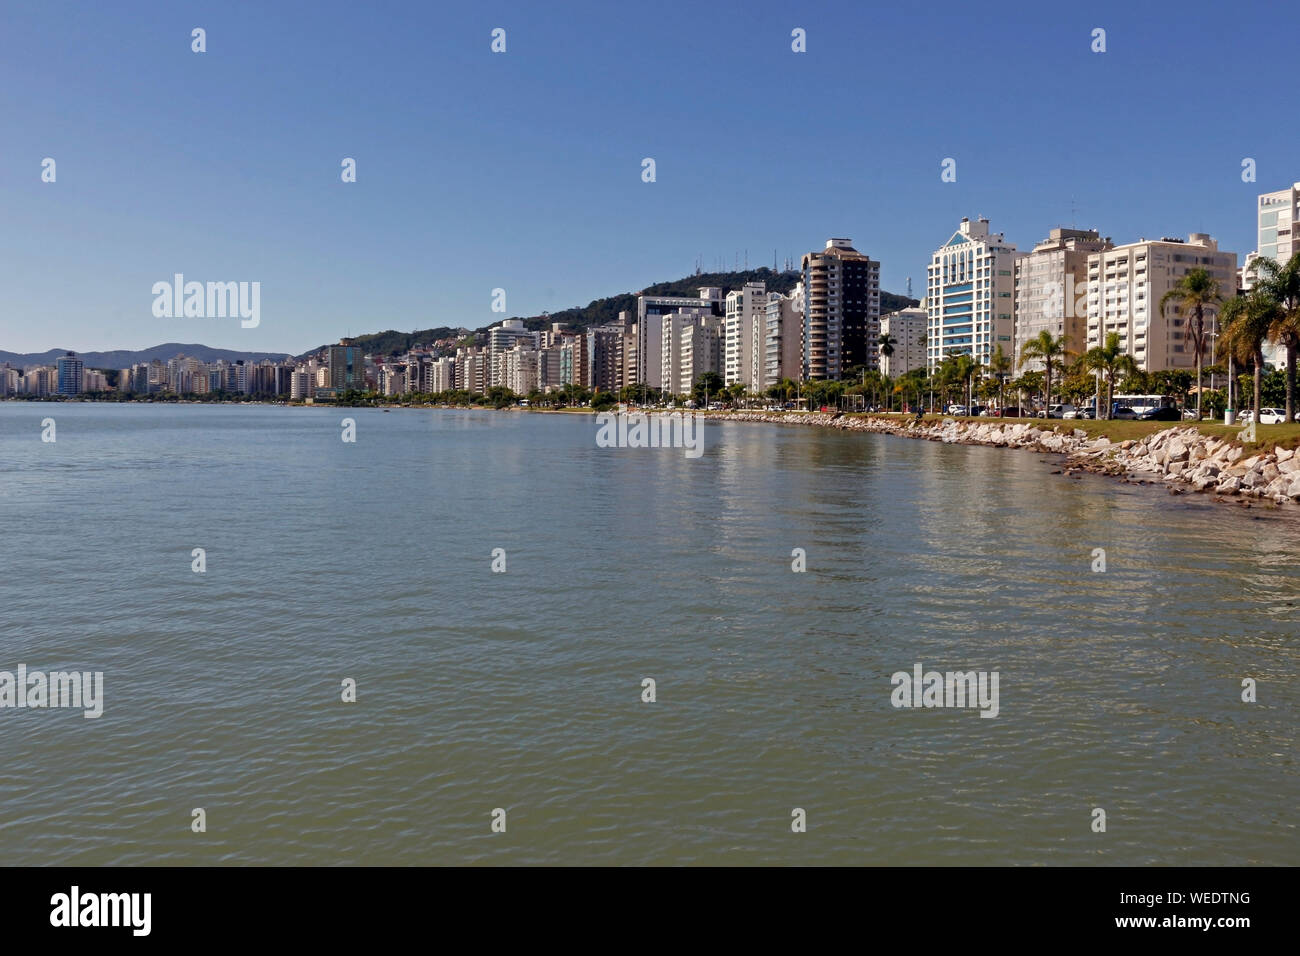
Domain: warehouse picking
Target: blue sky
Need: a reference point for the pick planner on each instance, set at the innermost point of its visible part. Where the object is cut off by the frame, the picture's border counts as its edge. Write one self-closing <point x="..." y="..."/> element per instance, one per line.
<point x="522" y="170"/>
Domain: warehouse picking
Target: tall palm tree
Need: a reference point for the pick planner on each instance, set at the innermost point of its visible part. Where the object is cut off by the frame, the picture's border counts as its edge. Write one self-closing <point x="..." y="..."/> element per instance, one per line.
<point x="1193" y="292"/>
<point x="1000" y="365"/>
<point x="1049" y="349"/>
<point x="1281" y="285"/>
<point x="1247" y="320"/>
<point x="965" y="367"/>
<point x="886" y="344"/>
<point x="1112" y="361"/>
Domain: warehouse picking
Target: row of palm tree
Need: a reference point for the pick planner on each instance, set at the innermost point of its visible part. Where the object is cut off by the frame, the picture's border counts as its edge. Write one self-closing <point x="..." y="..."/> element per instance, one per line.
<point x="1268" y="312"/>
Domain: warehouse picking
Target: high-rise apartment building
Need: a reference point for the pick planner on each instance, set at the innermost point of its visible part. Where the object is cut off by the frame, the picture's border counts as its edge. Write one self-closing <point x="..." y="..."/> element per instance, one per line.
<point x="701" y="351"/>
<point x="650" y="310"/>
<point x="1051" y="290"/>
<point x="746" y="310"/>
<point x="1279" y="223"/>
<point x="907" y="327"/>
<point x="605" y="358"/>
<point x="783" y="337"/>
<point x="970" y="295"/>
<point x="70" y="370"/>
<point x="347" y="366"/>
<point x="842" y="311"/>
<point x="1278" y="239"/>
<point x="1126" y="284"/>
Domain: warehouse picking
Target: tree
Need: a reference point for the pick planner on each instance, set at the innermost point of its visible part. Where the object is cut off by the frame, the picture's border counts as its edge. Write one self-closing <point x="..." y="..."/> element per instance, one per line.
<point x="1280" y="284"/>
<point x="1000" y="366"/>
<point x="1192" y="293"/>
<point x="959" y="370"/>
<point x="639" y="394"/>
<point x="886" y="343"/>
<point x="1172" y="382"/>
<point x="1047" y="348"/>
<point x="1111" y="361"/>
<point x="498" y="396"/>
<point x="706" y="384"/>
<point x="1247" y="320"/>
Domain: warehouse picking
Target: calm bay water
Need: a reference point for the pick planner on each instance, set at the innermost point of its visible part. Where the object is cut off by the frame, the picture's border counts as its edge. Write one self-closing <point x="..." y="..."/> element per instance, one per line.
<point x="522" y="690"/>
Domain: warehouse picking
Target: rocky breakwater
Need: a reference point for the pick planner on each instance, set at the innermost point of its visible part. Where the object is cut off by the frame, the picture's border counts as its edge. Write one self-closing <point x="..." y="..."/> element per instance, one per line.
<point x="1182" y="458"/>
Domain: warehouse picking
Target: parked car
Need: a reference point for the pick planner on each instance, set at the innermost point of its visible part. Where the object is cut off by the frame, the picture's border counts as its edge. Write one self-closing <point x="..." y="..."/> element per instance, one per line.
<point x="1167" y="414"/>
<point x="1058" y="411"/>
<point x="1123" y="412"/>
<point x="1267" y="416"/>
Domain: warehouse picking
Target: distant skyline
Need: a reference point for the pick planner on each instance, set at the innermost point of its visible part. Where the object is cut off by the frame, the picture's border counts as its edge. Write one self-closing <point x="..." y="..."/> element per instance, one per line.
<point x="522" y="170"/>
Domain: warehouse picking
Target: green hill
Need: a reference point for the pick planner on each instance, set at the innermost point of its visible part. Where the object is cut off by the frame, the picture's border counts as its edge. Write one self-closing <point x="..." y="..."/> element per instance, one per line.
<point x="602" y="311"/>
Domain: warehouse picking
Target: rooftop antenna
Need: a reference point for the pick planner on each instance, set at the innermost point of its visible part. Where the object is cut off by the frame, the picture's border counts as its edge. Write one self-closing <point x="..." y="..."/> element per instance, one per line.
<point x="909" y="287"/>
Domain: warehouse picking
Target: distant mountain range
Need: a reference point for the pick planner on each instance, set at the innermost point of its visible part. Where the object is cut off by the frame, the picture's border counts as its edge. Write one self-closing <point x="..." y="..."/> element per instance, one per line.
<point x="125" y="358"/>
<point x="391" y="342"/>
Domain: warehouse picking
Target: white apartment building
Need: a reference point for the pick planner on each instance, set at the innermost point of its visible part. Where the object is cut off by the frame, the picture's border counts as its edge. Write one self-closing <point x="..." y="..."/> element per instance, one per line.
<point x="908" y="328"/>
<point x="783" y="337"/>
<point x="521" y="370"/>
<point x="746" y="310"/>
<point x="442" y="374"/>
<point x="41" y="381"/>
<point x="1051" y="291"/>
<point x="392" y="379"/>
<point x="1126" y="284"/>
<point x="548" y="366"/>
<point x="649" y="328"/>
<point x="701" y="351"/>
<point x="300" y="385"/>
<point x="472" y="373"/>
<point x="970" y="294"/>
<point x="1278" y="239"/>
<point x="1279" y="223"/>
<point x="689" y="352"/>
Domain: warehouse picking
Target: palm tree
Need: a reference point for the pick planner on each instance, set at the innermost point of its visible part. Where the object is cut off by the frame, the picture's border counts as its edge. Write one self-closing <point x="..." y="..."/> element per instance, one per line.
<point x="1048" y="348"/>
<point x="1111" y="361"/>
<point x="1247" y="320"/>
<point x="964" y="369"/>
<point x="1000" y="365"/>
<point x="1193" y="292"/>
<point x="1281" y="285"/>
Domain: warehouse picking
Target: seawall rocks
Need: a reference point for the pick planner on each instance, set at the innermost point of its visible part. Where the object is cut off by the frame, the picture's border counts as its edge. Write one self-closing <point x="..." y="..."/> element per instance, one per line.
<point x="1180" y="457"/>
